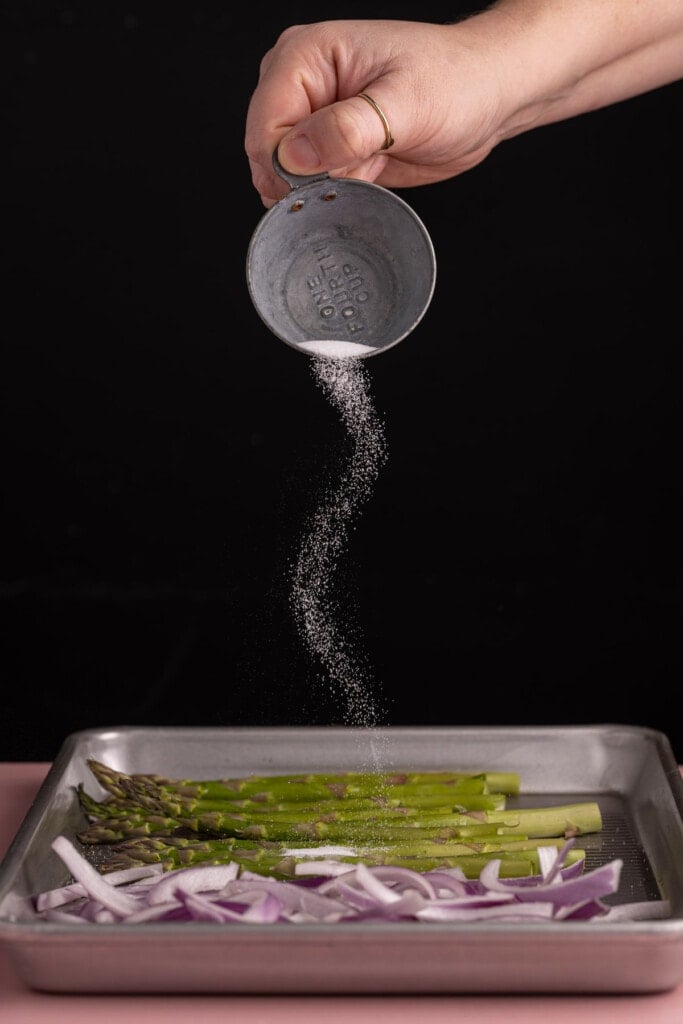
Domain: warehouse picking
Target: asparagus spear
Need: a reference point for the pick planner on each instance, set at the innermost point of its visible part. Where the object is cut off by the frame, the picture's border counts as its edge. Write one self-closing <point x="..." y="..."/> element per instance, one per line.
<point x="251" y="819"/>
<point x="120" y="829"/>
<point x="544" y="822"/>
<point x="512" y="865"/>
<point x="295" y="811"/>
<point x="173" y="854"/>
<point x="137" y="823"/>
<point x="263" y="860"/>
<point x="563" y="820"/>
<point x="449" y="848"/>
<point x="548" y="821"/>
<point x="116" y="829"/>
<point x="115" y="807"/>
<point x="310" y="787"/>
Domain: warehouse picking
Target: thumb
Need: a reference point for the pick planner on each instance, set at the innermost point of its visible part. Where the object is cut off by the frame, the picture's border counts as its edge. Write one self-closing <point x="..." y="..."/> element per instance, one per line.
<point x="344" y="134"/>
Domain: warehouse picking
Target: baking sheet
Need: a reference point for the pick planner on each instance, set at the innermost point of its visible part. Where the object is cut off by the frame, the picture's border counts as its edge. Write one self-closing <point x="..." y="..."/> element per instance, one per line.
<point x="630" y="771"/>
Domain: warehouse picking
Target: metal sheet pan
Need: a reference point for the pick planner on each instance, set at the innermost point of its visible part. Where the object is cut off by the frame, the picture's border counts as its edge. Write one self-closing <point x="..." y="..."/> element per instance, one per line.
<point x="630" y="771"/>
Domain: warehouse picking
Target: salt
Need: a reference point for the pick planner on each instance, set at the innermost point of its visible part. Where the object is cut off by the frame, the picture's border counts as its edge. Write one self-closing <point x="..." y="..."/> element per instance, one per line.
<point x="336" y="349"/>
<point x="322" y="624"/>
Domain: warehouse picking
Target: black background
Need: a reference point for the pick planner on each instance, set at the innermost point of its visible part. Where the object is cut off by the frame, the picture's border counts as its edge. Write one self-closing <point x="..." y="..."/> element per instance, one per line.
<point x="518" y="561"/>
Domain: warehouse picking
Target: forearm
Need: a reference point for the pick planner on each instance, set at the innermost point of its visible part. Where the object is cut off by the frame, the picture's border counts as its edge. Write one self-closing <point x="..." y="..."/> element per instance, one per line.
<point x="560" y="58"/>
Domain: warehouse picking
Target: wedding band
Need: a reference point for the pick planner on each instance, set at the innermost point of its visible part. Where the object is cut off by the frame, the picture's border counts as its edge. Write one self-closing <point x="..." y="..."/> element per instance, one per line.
<point x="388" y="140"/>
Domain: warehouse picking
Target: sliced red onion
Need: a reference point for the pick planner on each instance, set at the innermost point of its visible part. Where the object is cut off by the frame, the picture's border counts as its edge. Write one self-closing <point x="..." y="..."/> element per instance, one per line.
<point x="403" y="878"/>
<point x="95" y="884"/>
<point x="75" y="891"/>
<point x="496" y="912"/>
<point x="327" y="891"/>
<point x="58" y="897"/>
<point x="294" y="899"/>
<point x="588" y="886"/>
<point x="197" y="879"/>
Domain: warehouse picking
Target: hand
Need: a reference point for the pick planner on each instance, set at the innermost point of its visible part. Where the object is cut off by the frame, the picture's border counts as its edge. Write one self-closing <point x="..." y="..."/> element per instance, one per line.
<point x="450" y="92"/>
<point x="443" y="106"/>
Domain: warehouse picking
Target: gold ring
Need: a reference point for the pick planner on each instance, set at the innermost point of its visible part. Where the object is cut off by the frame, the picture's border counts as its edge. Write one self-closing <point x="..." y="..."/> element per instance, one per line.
<point x="388" y="140"/>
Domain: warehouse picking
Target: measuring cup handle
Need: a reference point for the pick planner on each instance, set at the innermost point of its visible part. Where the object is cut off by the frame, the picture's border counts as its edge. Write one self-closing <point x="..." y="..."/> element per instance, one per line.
<point x="296" y="180"/>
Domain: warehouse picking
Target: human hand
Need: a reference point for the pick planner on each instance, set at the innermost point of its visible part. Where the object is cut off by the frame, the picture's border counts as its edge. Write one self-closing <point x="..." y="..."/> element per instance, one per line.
<point x="450" y="92"/>
<point x="443" y="105"/>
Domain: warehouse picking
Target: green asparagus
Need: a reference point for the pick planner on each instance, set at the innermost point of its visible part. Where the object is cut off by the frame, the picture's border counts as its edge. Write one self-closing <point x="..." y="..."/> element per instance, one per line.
<point x="277" y="861"/>
<point x="306" y="788"/>
<point x="413" y="818"/>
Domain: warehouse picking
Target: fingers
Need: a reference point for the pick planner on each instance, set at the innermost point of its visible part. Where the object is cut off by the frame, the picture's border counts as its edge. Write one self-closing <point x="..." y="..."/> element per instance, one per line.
<point x="332" y="97"/>
<point x="348" y="137"/>
<point x="341" y="136"/>
<point x="307" y="103"/>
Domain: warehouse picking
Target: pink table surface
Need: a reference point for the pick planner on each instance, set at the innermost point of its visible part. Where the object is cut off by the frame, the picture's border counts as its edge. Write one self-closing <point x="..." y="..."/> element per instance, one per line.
<point x="19" y="783"/>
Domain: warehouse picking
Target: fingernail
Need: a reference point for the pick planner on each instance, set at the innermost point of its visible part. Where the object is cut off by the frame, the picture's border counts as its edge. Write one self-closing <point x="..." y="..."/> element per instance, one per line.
<point x="298" y="156"/>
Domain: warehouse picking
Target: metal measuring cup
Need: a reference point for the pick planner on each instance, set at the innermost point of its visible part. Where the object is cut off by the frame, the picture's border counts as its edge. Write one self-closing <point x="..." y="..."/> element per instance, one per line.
<point x="340" y="267"/>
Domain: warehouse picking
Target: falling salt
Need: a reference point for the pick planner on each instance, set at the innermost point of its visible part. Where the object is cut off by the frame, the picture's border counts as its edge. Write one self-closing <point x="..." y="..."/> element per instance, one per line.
<point x="322" y="623"/>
